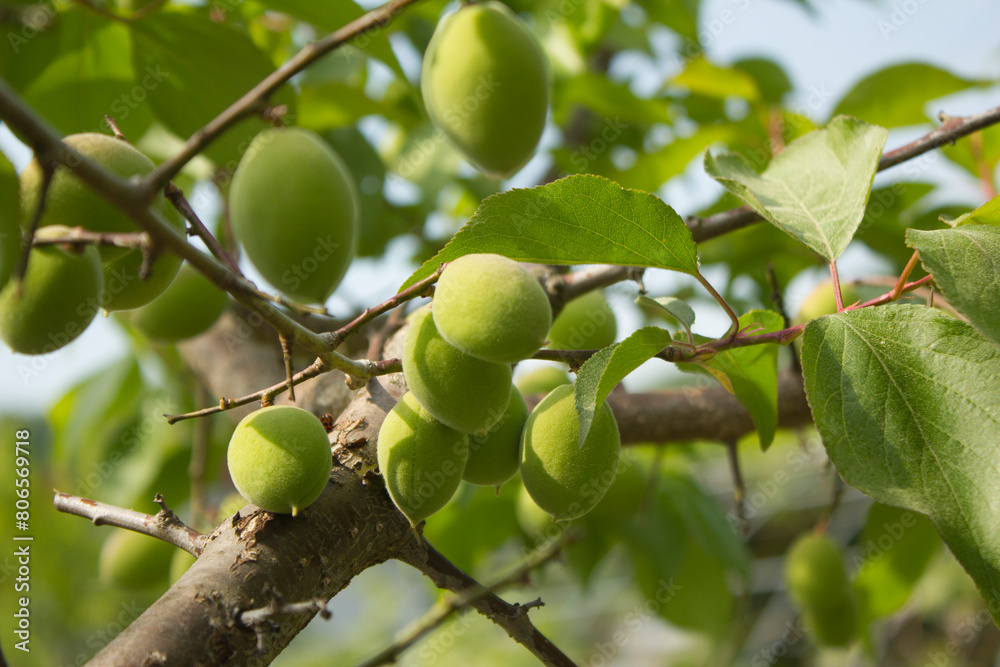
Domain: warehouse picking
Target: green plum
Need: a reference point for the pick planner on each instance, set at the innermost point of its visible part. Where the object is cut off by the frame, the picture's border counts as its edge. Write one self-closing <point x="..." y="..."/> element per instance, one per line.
<point x="585" y="323"/>
<point x="817" y="583"/>
<point x="494" y="455"/>
<point x="124" y="290"/>
<point x="10" y="216"/>
<point x="421" y="459"/>
<point x="564" y="479"/>
<point x="542" y="380"/>
<point x="822" y="301"/>
<point x="485" y="84"/>
<point x="295" y="209"/>
<point x="59" y="299"/>
<point x="492" y="308"/>
<point x="189" y="306"/>
<point x="280" y="459"/>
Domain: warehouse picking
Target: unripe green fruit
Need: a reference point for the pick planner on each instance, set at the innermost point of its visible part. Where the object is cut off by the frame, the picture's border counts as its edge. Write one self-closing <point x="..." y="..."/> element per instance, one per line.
<point x="295" y="209"/>
<point x="60" y="297"/>
<point x="495" y="455"/>
<point x="567" y="481"/>
<point x="10" y="215"/>
<point x="586" y="323"/>
<point x="542" y="380"/>
<point x="181" y="563"/>
<point x="485" y="83"/>
<point x="124" y="290"/>
<point x="818" y="585"/>
<point x="134" y="561"/>
<point x="822" y="301"/>
<point x="534" y="521"/>
<point x="463" y="392"/>
<point x="420" y="458"/>
<point x="188" y="307"/>
<point x="279" y="458"/>
<point x="492" y="308"/>
<point x="71" y="203"/>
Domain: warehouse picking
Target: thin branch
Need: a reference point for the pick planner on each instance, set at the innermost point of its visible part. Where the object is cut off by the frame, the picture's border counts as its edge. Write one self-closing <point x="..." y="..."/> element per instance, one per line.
<point x="163" y="525"/>
<point x="897" y="289"/>
<point x="286" y="354"/>
<point x="176" y="197"/>
<point x="376" y="344"/>
<point x="722" y="302"/>
<point x="442" y="611"/>
<point x="513" y="618"/>
<point x="739" y="488"/>
<point x="837" y="295"/>
<point x="59" y="235"/>
<point x="372" y="21"/>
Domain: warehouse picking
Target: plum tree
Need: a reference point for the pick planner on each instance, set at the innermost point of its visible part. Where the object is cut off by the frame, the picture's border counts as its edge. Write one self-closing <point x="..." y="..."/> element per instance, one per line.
<point x="295" y="210"/>
<point x="494" y="455"/>
<point x="123" y="287"/>
<point x="58" y="300"/>
<point x="567" y="480"/>
<point x="585" y="323"/>
<point x="817" y="583"/>
<point x="69" y="202"/>
<point x="421" y="459"/>
<point x="492" y="308"/>
<point x="485" y="83"/>
<point x="541" y="380"/>
<point x="134" y="561"/>
<point x="279" y="458"/>
<point x="461" y="391"/>
<point x="822" y="301"/>
<point x="188" y="307"/>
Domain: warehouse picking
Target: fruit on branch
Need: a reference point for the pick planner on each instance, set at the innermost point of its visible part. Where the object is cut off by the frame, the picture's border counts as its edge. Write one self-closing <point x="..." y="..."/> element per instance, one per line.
<point x="279" y="458"/>
<point x="420" y="458"/>
<point x="10" y="215"/>
<point x="134" y="561"/>
<point x="494" y="455"/>
<point x="818" y="585"/>
<point x="188" y="307"/>
<point x="822" y="301"/>
<point x="485" y="83"/>
<point x="58" y="300"/>
<point x="586" y="323"/>
<point x="295" y="210"/>
<point x="542" y="380"/>
<point x="461" y="391"/>
<point x="567" y="480"/>
<point x="124" y="289"/>
<point x="71" y="203"/>
<point x="492" y="308"/>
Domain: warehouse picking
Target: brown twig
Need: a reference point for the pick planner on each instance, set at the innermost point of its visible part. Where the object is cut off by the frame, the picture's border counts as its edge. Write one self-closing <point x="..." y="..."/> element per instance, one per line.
<point x="286" y="354"/>
<point x="176" y="197"/>
<point x="58" y="235"/>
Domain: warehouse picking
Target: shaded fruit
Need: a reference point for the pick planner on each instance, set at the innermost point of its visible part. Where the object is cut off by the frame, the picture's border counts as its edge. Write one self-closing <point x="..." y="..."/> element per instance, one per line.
<point x="817" y="583"/>
<point x="420" y="458"/>
<point x="279" y="458"/>
<point x="124" y="290"/>
<point x="495" y="455"/>
<point x="295" y="210"/>
<point x="134" y="561"/>
<point x="586" y="323"/>
<point x="181" y="563"/>
<point x="492" y="308"/>
<point x="542" y="380"/>
<point x="10" y="215"/>
<point x="188" y="307"/>
<point x="58" y="300"/>
<point x="534" y="521"/>
<point x="624" y="497"/>
<point x="485" y="83"/>
<point x="463" y="392"/>
<point x="71" y="203"/>
<point x="567" y="481"/>
<point x="822" y="301"/>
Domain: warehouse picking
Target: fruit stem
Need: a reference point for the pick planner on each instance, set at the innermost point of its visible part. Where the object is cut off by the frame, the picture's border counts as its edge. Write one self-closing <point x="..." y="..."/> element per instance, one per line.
<point x="731" y="334"/>
<point x="836" y="286"/>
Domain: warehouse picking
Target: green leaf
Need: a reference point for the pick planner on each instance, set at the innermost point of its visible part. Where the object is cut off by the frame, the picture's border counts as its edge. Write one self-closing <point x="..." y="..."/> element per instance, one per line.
<point x="913" y="86"/>
<point x="753" y="372"/>
<point x="599" y="374"/>
<point x="987" y="214"/>
<point x="580" y="219"/>
<point x="704" y="78"/>
<point x="817" y="189"/>
<point x="907" y="403"/>
<point x="965" y="263"/>
<point x="895" y="548"/>
<point x="612" y="100"/>
<point x="671" y="305"/>
<point x="697" y="596"/>
<point x="197" y="68"/>
<point x="771" y="80"/>
<point x="681" y="16"/>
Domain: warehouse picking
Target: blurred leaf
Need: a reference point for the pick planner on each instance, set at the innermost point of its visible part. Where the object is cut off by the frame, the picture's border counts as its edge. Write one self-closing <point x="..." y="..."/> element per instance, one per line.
<point x="770" y="78"/>
<point x="817" y="189"/>
<point x="908" y="406"/>
<point x="580" y="219"/>
<point x="895" y="548"/>
<point x="474" y="523"/>
<point x="603" y="371"/>
<point x="614" y="102"/>
<point x="987" y="214"/>
<point x="697" y="596"/>
<point x="704" y="78"/>
<point x="671" y="305"/>
<point x="681" y="16"/>
<point x="978" y="153"/>
<point x="913" y="86"/>
<point x="891" y="209"/>
<point x="965" y="263"/>
<point x="657" y="546"/>
<point x="331" y="105"/>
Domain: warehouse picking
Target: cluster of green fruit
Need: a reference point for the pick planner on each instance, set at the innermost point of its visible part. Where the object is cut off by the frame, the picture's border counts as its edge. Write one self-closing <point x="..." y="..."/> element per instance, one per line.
<point x="463" y="419"/>
<point x="485" y="85"/>
<point x="817" y="583"/>
<point x="65" y="287"/>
